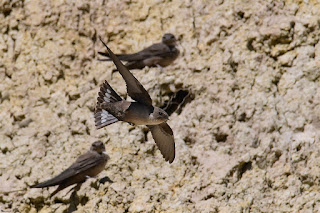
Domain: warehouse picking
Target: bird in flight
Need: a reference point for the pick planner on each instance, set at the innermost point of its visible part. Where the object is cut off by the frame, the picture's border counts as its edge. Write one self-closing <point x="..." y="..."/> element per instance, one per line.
<point x="112" y="108"/>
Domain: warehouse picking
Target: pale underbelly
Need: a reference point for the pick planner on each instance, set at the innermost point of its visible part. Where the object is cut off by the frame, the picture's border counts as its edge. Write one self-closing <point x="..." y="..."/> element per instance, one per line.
<point x="141" y="119"/>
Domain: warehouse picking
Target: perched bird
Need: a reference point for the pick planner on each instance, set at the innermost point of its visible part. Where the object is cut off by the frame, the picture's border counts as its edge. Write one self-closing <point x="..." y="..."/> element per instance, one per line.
<point x="87" y="165"/>
<point x="112" y="108"/>
<point x="160" y="54"/>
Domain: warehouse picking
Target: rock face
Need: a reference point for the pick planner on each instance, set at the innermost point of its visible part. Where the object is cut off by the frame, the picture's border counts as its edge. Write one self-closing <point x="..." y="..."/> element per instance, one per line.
<point x="247" y="138"/>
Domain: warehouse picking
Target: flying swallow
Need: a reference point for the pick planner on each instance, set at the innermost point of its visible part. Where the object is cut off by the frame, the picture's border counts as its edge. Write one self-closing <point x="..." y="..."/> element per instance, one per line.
<point x="112" y="108"/>
<point x="160" y="54"/>
<point x="87" y="165"/>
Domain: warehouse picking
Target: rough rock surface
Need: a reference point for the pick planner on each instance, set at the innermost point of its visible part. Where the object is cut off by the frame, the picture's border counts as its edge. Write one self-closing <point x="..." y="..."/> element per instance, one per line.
<point x="247" y="141"/>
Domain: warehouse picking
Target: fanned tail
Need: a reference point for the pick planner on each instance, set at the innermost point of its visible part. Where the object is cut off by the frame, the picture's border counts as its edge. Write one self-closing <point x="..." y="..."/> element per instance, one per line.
<point x="103" y="118"/>
<point x="106" y="95"/>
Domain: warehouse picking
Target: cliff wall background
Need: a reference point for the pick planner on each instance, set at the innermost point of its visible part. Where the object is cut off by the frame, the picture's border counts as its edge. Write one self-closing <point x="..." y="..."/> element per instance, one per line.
<point x="247" y="138"/>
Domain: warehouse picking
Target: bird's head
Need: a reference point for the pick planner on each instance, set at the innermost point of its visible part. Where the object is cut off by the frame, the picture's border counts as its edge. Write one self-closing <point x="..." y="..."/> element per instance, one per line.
<point x="169" y="39"/>
<point x="159" y="115"/>
<point x="98" y="146"/>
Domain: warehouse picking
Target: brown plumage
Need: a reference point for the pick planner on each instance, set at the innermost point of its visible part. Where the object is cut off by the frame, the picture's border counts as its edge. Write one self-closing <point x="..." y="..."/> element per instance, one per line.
<point x="87" y="165"/>
<point x="159" y="54"/>
<point x="111" y="108"/>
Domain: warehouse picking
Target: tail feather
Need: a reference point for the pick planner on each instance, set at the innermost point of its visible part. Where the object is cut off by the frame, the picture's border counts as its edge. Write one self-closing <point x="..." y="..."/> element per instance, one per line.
<point x="103" y="118"/>
<point x="106" y="95"/>
<point x="47" y="183"/>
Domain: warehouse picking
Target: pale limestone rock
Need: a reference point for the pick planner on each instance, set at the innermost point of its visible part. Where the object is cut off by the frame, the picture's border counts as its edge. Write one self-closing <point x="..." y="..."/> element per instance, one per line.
<point x="248" y="141"/>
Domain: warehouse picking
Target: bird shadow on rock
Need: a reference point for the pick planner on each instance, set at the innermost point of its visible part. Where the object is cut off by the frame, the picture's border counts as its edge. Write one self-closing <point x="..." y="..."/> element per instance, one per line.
<point x="75" y="199"/>
<point x="177" y="101"/>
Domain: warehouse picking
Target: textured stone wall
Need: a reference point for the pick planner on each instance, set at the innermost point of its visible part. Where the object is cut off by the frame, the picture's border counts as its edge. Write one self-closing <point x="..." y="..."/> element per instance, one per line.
<point x="248" y="140"/>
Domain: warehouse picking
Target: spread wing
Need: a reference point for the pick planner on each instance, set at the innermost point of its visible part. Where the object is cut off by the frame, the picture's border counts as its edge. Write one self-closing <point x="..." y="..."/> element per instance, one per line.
<point x="135" y="90"/>
<point x="82" y="164"/>
<point x="163" y="136"/>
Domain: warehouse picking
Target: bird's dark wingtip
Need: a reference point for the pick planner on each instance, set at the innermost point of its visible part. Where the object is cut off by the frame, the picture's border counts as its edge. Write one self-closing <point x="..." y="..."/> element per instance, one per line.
<point x="36" y="185"/>
<point x="171" y="160"/>
<point x="101" y="39"/>
<point x="103" y="53"/>
<point x="104" y="43"/>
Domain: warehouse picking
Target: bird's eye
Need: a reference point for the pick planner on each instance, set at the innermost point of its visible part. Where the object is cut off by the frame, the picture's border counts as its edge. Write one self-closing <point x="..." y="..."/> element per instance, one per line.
<point x="160" y="113"/>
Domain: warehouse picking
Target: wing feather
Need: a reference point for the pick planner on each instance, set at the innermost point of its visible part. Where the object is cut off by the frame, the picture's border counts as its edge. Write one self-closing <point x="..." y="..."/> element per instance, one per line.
<point x="163" y="136"/>
<point x="134" y="88"/>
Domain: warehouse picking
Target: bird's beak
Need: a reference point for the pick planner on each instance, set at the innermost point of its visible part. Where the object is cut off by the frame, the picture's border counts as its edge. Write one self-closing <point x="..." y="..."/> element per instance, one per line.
<point x="104" y="152"/>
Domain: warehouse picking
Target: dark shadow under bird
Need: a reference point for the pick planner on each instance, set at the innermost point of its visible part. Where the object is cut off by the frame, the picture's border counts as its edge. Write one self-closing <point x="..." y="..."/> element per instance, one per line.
<point x="160" y="54"/>
<point x="87" y="165"/>
<point x="112" y="108"/>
